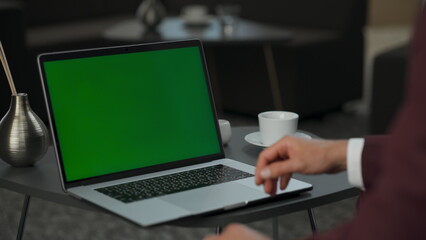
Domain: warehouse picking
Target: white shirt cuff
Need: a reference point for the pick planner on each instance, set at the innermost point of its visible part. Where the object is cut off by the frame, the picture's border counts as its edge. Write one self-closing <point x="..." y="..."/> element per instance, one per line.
<point x="354" y="163"/>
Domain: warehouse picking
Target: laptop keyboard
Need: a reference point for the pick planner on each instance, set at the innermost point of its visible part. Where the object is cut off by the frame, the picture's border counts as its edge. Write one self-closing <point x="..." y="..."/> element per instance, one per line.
<point x="173" y="183"/>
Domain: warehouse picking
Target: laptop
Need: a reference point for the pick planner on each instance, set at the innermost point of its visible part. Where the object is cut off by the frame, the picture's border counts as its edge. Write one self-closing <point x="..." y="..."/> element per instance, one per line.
<point x="135" y="132"/>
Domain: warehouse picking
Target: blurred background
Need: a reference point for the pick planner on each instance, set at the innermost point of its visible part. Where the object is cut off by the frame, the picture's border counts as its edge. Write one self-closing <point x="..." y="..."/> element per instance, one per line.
<point x="342" y="67"/>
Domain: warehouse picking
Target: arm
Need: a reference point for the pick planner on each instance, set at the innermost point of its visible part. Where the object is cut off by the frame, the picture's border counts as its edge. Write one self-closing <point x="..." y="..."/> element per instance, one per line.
<point x="394" y="168"/>
<point x="371" y="154"/>
<point x="323" y="156"/>
<point x="293" y="155"/>
<point x="362" y="159"/>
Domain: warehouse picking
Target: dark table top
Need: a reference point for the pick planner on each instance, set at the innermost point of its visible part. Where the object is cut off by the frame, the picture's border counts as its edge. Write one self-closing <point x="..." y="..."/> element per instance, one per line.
<point x="174" y="28"/>
<point x="42" y="181"/>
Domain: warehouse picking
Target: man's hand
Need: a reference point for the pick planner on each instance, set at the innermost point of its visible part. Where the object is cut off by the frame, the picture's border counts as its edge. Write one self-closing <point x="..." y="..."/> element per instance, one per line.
<point x="295" y="155"/>
<point x="289" y="155"/>
<point x="237" y="232"/>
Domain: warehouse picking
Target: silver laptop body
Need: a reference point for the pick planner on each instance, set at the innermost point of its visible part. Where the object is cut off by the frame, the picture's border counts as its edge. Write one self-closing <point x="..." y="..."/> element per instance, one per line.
<point x="125" y="118"/>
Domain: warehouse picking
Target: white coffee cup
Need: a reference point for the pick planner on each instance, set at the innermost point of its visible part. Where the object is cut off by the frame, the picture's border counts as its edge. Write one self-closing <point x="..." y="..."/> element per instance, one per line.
<point x="195" y="12"/>
<point x="274" y="125"/>
<point x="225" y="130"/>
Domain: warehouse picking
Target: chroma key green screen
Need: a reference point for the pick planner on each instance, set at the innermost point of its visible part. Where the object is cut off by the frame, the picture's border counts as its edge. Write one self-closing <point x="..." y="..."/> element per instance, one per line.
<point x="120" y="112"/>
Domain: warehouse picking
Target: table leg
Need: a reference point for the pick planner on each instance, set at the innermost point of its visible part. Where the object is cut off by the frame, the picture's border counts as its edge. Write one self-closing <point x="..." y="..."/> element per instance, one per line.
<point x="23" y="217"/>
<point x="312" y="220"/>
<point x="273" y="77"/>
<point x="275" y="231"/>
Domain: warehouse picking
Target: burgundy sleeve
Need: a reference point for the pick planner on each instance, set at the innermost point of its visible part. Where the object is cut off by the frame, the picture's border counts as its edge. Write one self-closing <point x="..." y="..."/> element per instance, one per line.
<point x="371" y="156"/>
<point x="394" y="206"/>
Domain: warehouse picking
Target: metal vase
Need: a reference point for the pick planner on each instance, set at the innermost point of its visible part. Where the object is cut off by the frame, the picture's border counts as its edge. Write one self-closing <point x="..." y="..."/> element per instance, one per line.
<point x="150" y="13"/>
<point x="24" y="138"/>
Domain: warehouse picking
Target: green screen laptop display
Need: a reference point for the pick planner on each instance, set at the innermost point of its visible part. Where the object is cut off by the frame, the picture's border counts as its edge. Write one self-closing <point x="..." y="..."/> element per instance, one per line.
<point x="126" y="111"/>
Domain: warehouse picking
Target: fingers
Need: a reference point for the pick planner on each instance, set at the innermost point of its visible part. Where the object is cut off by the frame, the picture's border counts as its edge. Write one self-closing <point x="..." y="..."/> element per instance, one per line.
<point x="282" y="168"/>
<point x="294" y="155"/>
<point x="271" y="173"/>
<point x="273" y="164"/>
<point x="277" y="152"/>
<point x="270" y="186"/>
<point x="284" y="181"/>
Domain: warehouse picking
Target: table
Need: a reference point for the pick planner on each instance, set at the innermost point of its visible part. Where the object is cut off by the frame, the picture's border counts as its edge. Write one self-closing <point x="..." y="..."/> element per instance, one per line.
<point x="174" y="28"/>
<point x="42" y="181"/>
<point x="244" y="32"/>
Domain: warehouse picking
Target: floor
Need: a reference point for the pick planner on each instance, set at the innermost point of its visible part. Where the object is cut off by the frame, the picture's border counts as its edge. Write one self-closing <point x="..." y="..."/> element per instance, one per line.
<point x="48" y="220"/>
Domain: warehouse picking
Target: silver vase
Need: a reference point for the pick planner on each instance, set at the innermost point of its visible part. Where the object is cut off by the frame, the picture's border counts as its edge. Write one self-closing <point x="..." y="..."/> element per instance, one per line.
<point x="150" y="13"/>
<point x="24" y="138"/>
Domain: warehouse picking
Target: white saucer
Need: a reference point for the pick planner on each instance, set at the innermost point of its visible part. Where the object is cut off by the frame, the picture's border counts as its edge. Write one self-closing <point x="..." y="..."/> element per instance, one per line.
<point x="254" y="138"/>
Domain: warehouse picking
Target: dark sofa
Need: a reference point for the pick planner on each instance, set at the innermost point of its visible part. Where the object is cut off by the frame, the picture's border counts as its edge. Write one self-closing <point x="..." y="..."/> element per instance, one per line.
<point x="319" y="70"/>
<point x="388" y="87"/>
<point x="12" y="36"/>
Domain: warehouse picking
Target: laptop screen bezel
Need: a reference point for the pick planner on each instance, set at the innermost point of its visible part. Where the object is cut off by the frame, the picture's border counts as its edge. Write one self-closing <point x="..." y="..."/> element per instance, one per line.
<point x="123" y="50"/>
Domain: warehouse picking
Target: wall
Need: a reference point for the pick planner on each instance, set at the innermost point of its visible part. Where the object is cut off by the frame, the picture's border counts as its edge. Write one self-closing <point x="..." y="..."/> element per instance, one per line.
<point x="393" y="12"/>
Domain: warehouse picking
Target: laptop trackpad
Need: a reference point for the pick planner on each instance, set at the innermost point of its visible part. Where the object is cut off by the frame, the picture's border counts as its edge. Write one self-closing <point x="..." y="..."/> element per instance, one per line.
<point x="214" y="197"/>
